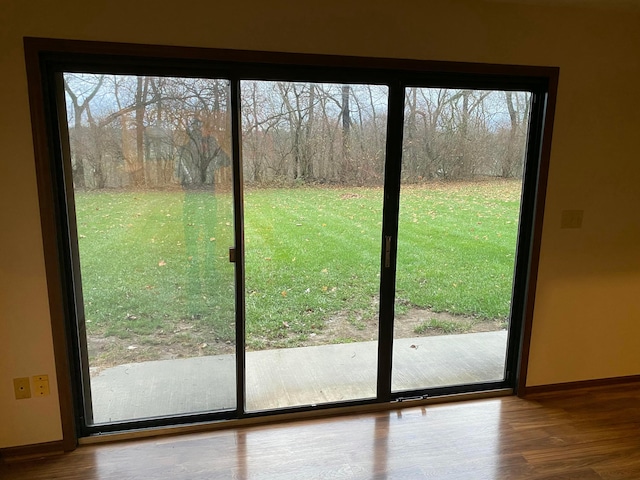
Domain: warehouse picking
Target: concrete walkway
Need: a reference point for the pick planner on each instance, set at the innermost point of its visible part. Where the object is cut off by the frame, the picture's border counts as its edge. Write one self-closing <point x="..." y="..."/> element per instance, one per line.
<point x="293" y="376"/>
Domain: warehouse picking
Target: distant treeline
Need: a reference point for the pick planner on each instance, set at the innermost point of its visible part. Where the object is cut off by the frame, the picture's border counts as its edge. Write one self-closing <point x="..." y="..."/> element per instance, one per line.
<point x="128" y="131"/>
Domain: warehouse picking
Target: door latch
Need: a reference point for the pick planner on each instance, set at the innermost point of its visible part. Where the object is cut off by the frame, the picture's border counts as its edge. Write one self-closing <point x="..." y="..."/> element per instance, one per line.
<point x="387" y="251"/>
<point x="232" y="254"/>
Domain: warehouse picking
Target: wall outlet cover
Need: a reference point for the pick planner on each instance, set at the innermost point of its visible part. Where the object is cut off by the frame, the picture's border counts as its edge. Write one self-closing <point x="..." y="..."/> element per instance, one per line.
<point x="40" y="385"/>
<point x="22" y="388"/>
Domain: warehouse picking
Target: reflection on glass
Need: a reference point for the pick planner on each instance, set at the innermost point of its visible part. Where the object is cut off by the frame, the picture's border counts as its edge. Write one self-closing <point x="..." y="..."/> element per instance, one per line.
<point x="150" y="159"/>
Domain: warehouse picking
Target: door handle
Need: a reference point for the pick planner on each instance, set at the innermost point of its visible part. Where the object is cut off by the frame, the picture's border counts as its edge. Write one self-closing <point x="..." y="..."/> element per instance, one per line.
<point x="232" y="254"/>
<point x="387" y="251"/>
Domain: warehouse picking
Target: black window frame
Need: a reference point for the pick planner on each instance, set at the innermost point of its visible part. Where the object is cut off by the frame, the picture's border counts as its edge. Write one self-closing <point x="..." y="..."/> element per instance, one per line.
<point x="47" y="59"/>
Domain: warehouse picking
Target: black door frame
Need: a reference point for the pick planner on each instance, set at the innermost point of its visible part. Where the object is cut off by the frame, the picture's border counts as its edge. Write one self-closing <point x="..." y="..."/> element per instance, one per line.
<point x="47" y="58"/>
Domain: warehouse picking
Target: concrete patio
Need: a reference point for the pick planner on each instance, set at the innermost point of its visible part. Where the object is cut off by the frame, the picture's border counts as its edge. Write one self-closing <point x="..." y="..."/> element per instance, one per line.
<point x="293" y="376"/>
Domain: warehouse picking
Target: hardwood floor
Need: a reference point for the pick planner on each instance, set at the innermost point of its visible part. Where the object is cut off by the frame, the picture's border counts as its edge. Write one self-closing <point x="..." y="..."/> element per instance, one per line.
<point x="580" y="434"/>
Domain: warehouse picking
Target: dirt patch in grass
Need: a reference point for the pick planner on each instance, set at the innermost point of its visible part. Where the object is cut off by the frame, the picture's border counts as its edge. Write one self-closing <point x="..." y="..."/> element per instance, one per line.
<point x="188" y="341"/>
<point x="343" y="328"/>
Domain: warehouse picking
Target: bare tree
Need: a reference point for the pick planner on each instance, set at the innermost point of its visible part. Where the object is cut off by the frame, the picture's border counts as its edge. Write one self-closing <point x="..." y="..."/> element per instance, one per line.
<point x="517" y="105"/>
<point x="202" y="122"/>
<point x="80" y="102"/>
<point x="346" y="132"/>
<point x="153" y="131"/>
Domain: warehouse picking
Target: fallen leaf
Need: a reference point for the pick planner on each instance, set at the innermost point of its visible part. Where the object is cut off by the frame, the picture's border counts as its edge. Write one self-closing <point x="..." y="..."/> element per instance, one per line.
<point x="162" y="263"/>
<point x="283" y="293"/>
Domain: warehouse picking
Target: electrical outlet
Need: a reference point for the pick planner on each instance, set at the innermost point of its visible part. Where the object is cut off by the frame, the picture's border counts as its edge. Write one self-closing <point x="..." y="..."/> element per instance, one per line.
<point x="40" y="385"/>
<point x="22" y="388"/>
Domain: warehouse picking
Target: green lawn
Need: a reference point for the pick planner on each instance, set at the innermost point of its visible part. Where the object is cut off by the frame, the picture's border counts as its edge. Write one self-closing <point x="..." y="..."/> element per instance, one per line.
<point x="157" y="262"/>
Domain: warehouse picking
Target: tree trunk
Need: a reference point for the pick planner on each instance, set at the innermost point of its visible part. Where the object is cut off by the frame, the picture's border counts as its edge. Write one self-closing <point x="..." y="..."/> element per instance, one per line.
<point x="78" y="167"/>
<point x="510" y="155"/>
<point x="138" y="170"/>
<point x="346" y="133"/>
<point x="307" y="156"/>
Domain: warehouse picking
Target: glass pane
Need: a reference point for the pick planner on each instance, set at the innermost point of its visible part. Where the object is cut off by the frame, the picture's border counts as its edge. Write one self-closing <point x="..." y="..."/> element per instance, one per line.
<point x="462" y="169"/>
<point x="313" y="158"/>
<point x="151" y="164"/>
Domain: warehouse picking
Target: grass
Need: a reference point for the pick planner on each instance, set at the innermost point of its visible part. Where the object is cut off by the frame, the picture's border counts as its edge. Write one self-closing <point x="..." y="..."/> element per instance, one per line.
<point x="309" y="255"/>
<point x="152" y="260"/>
<point x="457" y="247"/>
<point x="157" y="262"/>
<point x="443" y="326"/>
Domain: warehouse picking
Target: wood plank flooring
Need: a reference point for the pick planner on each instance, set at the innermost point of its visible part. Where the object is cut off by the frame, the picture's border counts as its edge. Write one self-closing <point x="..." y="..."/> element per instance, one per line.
<point x="582" y="434"/>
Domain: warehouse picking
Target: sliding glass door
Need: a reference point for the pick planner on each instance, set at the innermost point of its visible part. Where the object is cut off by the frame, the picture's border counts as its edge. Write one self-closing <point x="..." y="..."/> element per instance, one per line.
<point x="238" y="238"/>
<point x="313" y="158"/>
<point x="463" y="161"/>
<point x="150" y="164"/>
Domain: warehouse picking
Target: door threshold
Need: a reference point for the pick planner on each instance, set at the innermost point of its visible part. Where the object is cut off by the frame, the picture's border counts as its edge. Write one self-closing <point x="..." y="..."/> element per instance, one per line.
<point x="288" y="417"/>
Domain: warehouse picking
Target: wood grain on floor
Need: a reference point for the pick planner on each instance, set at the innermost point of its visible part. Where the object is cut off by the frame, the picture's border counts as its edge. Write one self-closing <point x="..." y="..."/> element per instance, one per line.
<point x="582" y="434"/>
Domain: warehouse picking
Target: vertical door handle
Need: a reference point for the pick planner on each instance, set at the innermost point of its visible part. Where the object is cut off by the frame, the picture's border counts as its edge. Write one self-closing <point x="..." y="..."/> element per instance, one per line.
<point x="387" y="251"/>
<point x="232" y="254"/>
